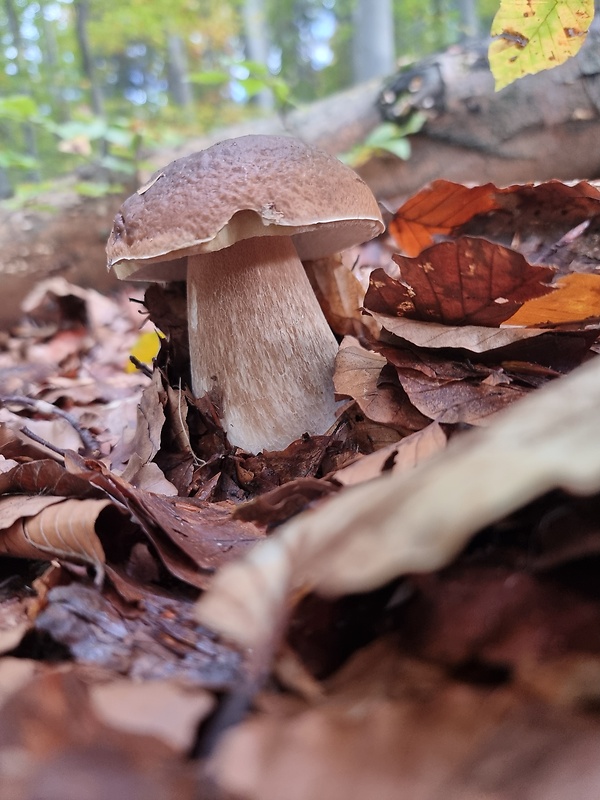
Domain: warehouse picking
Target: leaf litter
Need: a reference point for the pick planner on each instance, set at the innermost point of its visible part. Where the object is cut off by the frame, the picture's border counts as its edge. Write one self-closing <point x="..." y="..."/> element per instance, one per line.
<point x="363" y="594"/>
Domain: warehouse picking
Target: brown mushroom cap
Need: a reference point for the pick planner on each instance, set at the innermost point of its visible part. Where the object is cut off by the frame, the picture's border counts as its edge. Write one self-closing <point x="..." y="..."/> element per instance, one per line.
<point x="238" y="189"/>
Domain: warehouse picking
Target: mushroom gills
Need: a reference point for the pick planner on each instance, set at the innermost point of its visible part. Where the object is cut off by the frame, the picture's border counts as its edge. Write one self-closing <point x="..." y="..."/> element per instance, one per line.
<point x="259" y="343"/>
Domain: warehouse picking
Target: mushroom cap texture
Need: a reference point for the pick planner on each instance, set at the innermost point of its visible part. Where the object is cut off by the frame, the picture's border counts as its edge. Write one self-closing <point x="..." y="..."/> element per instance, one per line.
<point x="237" y="189"/>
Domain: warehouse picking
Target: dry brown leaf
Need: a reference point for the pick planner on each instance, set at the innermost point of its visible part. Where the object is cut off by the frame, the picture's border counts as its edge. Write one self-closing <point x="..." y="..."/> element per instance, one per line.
<point x="64" y="529"/>
<point x="418" y="521"/>
<point x="391" y="727"/>
<point x="150" y="421"/>
<point x="154" y="708"/>
<point x="477" y="339"/>
<point x="398" y="457"/>
<point x="340" y="295"/>
<point x="358" y="375"/>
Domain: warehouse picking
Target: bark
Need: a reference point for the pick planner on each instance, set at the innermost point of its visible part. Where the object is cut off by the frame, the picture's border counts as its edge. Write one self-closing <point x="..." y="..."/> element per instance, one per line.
<point x="87" y="60"/>
<point x="179" y="86"/>
<point x="469" y="22"/>
<point x="544" y="126"/>
<point x="373" y="51"/>
<point x="257" y="43"/>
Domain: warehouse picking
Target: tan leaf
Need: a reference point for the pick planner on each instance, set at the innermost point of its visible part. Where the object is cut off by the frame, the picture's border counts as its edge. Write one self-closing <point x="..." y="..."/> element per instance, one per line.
<point x="477" y="339"/>
<point x="158" y="708"/>
<point x="398" y="457"/>
<point x="340" y="295"/>
<point x="61" y="530"/>
<point x="358" y="375"/>
<point x="417" y="521"/>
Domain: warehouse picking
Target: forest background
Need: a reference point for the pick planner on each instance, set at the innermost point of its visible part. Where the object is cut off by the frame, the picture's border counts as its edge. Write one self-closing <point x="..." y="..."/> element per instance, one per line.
<point x="106" y="82"/>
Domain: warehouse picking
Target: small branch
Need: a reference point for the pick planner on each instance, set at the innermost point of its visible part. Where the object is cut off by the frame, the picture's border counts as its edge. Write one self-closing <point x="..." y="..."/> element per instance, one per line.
<point x="91" y="447"/>
<point x="143" y="368"/>
<point x="38" y="439"/>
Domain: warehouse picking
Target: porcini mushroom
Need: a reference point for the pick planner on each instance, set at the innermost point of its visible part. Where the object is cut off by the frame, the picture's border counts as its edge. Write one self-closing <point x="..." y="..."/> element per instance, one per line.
<point x="236" y="221"/>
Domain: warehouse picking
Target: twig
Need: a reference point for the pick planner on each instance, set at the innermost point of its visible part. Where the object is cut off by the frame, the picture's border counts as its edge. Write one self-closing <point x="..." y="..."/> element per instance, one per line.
<point x="143" y="368"/>
<point x="91" y="447"/>
<point x="34" y="437"/>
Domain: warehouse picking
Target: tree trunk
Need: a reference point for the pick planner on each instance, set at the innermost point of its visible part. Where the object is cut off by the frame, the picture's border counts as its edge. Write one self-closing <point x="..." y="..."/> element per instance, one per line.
<point x="469" y="22"/>
<point x="82" y="10"/>
<point x="28" y="131"/>
<point x="373" y="50"/>
<point x="179" y="86"/>
<point x="257" y="43"/>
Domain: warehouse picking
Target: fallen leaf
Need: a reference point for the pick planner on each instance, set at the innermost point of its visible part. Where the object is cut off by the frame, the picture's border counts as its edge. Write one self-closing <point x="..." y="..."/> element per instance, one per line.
<point x="63" y="529"/>
<point x="399" y="457"/>
<point x="153" y="708"/>
<point x="477" y="339"/>
<point x="465" y="282"/>
<point x="358" y="374"/>
<point x="575" y="300"/>
<point x="438" y="209"/>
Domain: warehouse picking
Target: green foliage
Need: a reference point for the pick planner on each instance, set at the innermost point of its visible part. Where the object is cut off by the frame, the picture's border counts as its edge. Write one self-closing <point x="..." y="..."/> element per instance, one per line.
<point x="386" y="138"/>
<point x="257" y="79"/>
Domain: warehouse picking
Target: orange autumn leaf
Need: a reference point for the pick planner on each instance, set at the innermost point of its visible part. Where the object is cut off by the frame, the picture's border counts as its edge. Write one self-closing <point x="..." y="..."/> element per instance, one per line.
<point x="438" y="208"/>
<point x="575" y="299"/>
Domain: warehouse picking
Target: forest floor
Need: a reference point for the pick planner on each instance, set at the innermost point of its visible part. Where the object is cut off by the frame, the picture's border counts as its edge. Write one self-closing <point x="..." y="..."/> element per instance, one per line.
<point x="406" y="606"/>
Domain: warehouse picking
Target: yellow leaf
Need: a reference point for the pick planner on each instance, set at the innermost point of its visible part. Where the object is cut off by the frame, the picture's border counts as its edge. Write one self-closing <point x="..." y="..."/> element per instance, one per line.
<point x="576" y="299"/>
<point x="145" y="349"/>
<point x="532" y="35"/>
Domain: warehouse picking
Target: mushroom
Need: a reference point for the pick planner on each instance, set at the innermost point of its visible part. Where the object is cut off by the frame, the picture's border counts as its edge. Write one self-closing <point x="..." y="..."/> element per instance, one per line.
<point x="236" y="221"/>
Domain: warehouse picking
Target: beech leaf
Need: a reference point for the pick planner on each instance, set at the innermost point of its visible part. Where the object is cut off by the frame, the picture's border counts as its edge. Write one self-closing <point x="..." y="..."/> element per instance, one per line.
<point x="465" y="282"/>
<point x="64" y="529"/>
<point x="532" y="35"/>
<point x="438" y="209"/>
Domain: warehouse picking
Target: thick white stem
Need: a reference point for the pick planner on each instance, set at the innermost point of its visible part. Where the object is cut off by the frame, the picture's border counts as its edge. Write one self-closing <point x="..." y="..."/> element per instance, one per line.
<point x="260" y="344"/>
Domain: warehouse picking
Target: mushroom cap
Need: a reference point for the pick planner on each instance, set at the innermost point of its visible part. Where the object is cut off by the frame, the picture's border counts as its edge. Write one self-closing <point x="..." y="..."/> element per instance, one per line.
<point x="237" y="189"/>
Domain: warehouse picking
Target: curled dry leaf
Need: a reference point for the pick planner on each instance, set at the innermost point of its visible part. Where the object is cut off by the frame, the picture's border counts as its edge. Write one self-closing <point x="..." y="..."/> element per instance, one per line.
<point x="476" y="338"/>
<point x="399" y="457"/>
<point x="358" y="374"/>
<point x="62" y="528"/>
<point x="418" y="521"/>
<point x="340" y="295"/>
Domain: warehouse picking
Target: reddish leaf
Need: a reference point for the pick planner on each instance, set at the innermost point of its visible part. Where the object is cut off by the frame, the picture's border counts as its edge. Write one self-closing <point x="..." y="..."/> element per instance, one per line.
<point x="438" y="208"/>
<point x="467" y="282"/>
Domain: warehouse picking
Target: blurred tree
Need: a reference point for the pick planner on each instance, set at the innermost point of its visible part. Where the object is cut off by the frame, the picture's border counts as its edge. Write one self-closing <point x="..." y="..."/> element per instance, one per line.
<point x="374" y="50"/>
<point x="257" y="43"/>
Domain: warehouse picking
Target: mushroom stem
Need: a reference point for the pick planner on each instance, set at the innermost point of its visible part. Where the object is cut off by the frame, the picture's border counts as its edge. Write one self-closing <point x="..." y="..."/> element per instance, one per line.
<point x="260" y="344"/>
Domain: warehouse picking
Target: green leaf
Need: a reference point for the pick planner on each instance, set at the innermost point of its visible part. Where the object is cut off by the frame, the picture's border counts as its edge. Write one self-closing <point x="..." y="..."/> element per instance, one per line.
<point x="18" y="108"/>
<point x="94" y="128"/>
<point x="215" y="78"/>
<point x="252" y="86"/>
<point x="532" y="35"/>
<point x="12" y="159"/>
<point x="398" y="147"/>
<point x="97" y="188"/>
